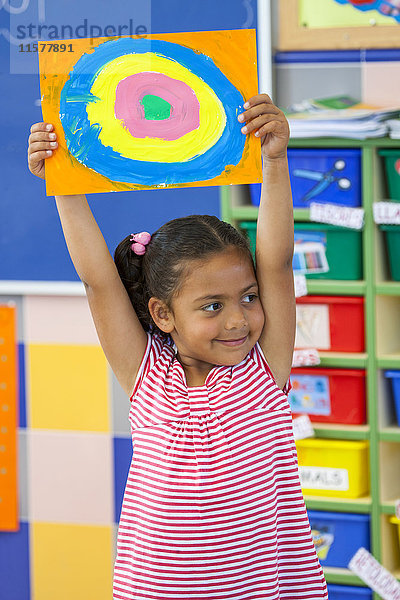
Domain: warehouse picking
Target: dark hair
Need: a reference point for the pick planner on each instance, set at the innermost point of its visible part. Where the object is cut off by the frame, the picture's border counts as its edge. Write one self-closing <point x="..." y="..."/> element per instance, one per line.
<point x="159" y="272"/>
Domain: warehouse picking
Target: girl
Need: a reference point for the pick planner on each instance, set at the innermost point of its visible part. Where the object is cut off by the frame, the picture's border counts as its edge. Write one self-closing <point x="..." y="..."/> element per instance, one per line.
<point x="202" y="342"/>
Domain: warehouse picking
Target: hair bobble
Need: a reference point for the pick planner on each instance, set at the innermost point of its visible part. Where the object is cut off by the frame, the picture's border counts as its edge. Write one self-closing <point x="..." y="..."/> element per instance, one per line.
<point x="140" y="241"/>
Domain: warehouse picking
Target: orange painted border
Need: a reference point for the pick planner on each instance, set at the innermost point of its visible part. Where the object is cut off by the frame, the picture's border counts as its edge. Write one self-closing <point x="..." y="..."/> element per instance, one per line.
<point x="8" y="420"/>
<point x="233" y="51"/>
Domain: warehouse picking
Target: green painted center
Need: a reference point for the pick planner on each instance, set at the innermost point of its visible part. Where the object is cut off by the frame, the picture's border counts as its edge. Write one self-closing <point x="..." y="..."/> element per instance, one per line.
<point x="155" y="108"/>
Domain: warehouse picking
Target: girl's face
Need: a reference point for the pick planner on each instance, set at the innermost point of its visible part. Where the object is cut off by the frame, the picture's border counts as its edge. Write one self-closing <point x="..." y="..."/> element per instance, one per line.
<point x="217" y="315"/>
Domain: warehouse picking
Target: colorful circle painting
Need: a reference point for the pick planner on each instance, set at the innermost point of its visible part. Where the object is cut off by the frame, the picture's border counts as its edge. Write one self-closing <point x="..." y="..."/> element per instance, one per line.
<point x="151" y="112"/>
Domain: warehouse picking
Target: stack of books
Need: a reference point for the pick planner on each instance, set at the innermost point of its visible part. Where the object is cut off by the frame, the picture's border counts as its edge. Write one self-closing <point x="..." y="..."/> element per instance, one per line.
<point x="341" y="116"/>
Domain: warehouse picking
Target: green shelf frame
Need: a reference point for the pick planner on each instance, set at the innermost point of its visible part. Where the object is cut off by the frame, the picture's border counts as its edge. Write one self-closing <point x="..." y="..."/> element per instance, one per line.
<point x="342" y="576"/>
<point x="369" y="288"/>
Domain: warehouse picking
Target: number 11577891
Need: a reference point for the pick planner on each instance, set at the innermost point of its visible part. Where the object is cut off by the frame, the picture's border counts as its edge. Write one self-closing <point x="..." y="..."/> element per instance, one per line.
<point x="46" y="47"/>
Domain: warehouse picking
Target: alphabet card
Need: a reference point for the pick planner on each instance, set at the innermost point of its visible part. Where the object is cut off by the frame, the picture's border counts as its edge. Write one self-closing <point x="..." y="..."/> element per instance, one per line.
<point x="149" y="112"/>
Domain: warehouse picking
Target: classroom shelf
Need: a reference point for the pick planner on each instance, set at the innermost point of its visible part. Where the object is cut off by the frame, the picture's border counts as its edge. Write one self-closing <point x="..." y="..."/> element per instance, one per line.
<point x="342" y="576"/>
<point x="343" y="359"/>
<point x="390" y="434"/>
<point x="341" y="432"/>
<point x="358" y="505"/>
<point x="388" y="288"/>
<point x="382" y="337"/>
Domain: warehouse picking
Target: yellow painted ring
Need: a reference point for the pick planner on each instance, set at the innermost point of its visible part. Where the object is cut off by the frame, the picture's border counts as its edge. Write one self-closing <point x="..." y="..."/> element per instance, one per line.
<point x="113" y="132"/>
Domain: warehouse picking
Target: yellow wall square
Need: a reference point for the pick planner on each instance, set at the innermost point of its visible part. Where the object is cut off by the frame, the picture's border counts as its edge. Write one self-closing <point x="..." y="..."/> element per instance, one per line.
<point x="68" y="387"/>
<point x="71" y="561"/>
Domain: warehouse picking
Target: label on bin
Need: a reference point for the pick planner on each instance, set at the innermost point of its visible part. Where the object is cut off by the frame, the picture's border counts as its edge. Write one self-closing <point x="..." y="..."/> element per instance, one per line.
<point x="310" y="394"/>
<point x="302" y="428"/>
<point x="397" y="509"/>
<point x="334" y="214"/>
<point x="300" y="285"/>
<point x="312" y="326"/>
<point x="306" y="358"/>
<point x="324" y="478"/>
<point x="375" y="575"/>
<point x="387" y="213"/>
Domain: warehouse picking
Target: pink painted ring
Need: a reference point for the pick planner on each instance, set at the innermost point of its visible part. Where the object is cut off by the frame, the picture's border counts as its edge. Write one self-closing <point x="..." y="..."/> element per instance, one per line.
<point x="185" y="114"/>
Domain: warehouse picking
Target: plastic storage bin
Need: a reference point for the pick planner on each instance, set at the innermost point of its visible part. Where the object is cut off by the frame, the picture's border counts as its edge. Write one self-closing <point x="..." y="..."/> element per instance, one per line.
<point x="329" y="395"/>
<point x="394" y="376"/>
<point x="330" y="323"/>
<point x="339" y="242"/>
<point x="336" y="468"/>
<point x="392" y="168"/>
<point x="322" y="175"/>
<point x="338" y="536"/>
<point x="396" y="521"/>
<point x="348" y="592"/>
<point x="392" y="239"/>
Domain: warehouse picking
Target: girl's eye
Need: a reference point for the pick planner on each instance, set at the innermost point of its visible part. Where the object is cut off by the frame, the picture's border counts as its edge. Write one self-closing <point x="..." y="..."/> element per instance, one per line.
<point x="212" y="307"/>
<point x="250" y="298"/>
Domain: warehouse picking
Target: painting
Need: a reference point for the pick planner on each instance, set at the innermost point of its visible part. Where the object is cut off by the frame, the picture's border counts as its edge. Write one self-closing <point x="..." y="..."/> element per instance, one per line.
<point x="148" y="112"/>
<point x="339" y="24"/>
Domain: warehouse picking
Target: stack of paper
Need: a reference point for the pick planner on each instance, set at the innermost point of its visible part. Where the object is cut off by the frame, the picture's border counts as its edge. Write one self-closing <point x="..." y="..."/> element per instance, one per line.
<point x="340" y="116"/>
<point x="394" y="128"/>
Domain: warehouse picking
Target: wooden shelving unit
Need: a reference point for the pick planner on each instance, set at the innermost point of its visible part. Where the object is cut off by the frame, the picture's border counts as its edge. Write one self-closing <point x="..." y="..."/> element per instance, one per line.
<point x="382" y="328"/>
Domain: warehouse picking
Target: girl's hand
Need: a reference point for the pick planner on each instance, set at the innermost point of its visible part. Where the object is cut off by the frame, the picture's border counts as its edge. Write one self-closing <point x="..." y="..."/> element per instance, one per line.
<point x="42" y="142"/>
<point x="267" y="122"/>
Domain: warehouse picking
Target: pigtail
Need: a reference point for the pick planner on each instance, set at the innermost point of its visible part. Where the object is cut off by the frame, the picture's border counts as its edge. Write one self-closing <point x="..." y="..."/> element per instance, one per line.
<point x="131" y="271"/>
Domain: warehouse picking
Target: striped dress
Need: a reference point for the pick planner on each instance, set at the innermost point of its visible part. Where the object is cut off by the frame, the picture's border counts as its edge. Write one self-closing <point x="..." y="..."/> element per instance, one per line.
<point x="213" y="507"/>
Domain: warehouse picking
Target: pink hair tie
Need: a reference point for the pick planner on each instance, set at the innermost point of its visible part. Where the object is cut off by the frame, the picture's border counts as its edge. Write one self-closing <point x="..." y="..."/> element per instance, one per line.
<point x="140" y="241"/>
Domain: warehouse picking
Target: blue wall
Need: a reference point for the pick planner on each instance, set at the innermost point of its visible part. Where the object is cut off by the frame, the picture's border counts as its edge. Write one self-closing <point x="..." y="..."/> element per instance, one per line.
<point x="31" y="242"/>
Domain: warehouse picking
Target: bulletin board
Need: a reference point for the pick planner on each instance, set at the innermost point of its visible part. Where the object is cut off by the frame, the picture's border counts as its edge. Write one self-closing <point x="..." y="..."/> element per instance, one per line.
<point x="329" y="25"/>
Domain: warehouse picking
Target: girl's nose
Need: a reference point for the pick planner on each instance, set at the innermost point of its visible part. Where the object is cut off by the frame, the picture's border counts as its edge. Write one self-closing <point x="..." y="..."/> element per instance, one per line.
<point x="235" y="319"/>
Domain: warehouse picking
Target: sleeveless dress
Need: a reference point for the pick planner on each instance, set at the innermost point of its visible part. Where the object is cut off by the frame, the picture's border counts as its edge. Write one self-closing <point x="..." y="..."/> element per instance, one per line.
<point x="213" y="507"/>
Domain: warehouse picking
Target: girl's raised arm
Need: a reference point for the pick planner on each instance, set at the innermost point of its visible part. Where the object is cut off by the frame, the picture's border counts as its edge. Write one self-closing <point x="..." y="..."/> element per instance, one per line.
<point x="274" y="244"/>
<point x="120" y="333"/>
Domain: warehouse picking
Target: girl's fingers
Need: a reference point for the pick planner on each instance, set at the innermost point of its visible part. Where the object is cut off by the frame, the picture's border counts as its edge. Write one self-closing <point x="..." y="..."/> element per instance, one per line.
<point x="37" y="146"/>
<point x="257" y="122"/>
<point x="41" y="127"/>
<point x="42" y="136"/>
<point x="36" y="157"/>
<point x="272" y="126"/>
<point x="257" y="110"/>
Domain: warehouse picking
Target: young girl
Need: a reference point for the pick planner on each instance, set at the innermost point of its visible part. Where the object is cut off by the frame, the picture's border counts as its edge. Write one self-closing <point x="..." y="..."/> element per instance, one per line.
<point x="202" y="342"/>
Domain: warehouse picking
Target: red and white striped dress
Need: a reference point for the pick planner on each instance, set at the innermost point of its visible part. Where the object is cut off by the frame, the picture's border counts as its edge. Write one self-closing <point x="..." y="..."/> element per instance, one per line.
<point x="213" y="507"/>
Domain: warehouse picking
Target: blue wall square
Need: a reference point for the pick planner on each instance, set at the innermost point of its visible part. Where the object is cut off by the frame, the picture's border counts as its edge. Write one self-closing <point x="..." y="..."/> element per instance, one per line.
<point x="122" y="461"/>
<point x="14" y="564"/>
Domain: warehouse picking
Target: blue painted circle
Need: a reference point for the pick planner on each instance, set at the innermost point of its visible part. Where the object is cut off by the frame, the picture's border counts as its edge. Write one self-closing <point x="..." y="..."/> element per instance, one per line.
<point x="83" y="138"/>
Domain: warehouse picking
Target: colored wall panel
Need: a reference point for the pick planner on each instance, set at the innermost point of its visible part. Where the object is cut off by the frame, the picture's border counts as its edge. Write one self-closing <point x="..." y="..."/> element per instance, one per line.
<point x="120" y="408"/>
<point x="381" y="83"/>
<point x="122" y="461"/>
<point x="8" y="419"/>
<point x="68" y="388"/>
<point x="59" y="320"/>
<point x="71" y="562"/>
<point x="70" y="477"/>
<point x="14" y="564"/>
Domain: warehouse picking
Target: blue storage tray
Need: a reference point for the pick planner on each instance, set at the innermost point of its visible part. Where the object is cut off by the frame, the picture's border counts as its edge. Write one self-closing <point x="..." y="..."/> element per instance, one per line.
<point x="322" y="175"/>
<point x="395" y="380"/>
<point x="338" y="536"/>
<point x="348" y="592"/>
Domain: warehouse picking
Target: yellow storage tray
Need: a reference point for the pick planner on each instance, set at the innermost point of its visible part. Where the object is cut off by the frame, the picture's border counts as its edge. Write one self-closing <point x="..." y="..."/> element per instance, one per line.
<point x="396" y="521"/>
<point x="334" y="468"/>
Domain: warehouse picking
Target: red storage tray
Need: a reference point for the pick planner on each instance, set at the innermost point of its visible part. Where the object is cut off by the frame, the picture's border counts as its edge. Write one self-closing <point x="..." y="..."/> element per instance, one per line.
<point x="346" y="322"/>
<point x="329" y="395"/>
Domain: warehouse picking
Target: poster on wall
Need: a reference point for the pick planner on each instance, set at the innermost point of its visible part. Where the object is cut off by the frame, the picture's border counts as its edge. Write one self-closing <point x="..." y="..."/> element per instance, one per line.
<point x="339" y="24"/>
<point x="148" y="112"/>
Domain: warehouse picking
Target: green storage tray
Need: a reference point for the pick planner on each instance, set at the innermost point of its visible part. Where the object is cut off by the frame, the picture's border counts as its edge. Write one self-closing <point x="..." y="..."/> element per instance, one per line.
<point x="392" y="237"/>
<point x="392" y="168"/>
<point x="343" y="249"/>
